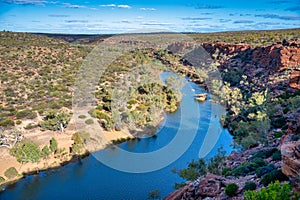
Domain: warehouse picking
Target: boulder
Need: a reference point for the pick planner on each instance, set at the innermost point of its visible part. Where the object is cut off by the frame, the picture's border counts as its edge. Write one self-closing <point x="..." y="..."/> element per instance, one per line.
<point x="210" y="186"/>
<point x="177" y="194"/>
<point x="290" y="152"/>
<point x="295" y="79"/>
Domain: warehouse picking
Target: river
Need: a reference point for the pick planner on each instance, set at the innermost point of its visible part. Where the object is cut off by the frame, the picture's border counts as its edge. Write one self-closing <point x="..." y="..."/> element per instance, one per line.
<point x="94" y="180"/>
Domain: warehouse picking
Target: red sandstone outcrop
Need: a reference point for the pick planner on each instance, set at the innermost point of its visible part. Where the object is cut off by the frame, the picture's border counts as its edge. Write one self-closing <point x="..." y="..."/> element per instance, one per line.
<point x="295" y="79"/>
<point x="290" y="152"/>
<point x="209" y="186"/>
<point x="276" y="57"/>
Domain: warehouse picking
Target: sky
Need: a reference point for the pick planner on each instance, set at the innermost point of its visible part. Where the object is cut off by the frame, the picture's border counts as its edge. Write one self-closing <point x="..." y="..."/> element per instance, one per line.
<point x="115" y="16"/>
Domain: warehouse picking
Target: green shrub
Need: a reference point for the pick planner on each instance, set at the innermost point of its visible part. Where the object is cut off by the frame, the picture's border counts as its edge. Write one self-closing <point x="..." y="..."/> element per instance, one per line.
<point x="231" y="189"/>
<point x="18" y="122"/>
<point x="30" y="126"/>
<point x="263" y="154"/>
<point x="54" y="121"/>
<point x="53" y="145"/>
<point x="46" y="152"/>
<point x="272" y="177"/>
<point x="11" y="173"/>
<point x="263" y="170"/>
<point x="89" y="121"/>
<point x="276" y="156"/>
<point x="7" y="122"/>
<point x="81" y="116"/>
<point x="295" y="137"/>
<point x="259" y="161"/>
<point x="216" y="163"/>
<point x="278" y="122"/>
<point x="278" y="134"/>
<point x="189" y="174"/>
<point x="154" y="194"/>
<point x="249" y="186"/>
<point x="273" y="191"/>
<point x="27" y="114"/>
<point x="244" y="169"/>
<point x="2" y="179"/>
<point x="227" y="172"/>
<point x="179" y="185"/>
<point x="26" y="151"/>
<point x="99" y="107"/>
<point x="78" y="143"/>
<point x="132" y="101"/>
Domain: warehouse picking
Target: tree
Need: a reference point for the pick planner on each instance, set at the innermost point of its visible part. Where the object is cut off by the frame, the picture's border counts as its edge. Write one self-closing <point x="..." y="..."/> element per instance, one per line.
<point x="231" y="189"/>
<point x="77" y="145"/>
<point x="154" y="194"/>
<point x="46" y="152"/>
<point x="26" y="151"/>
<point x="53" y="145"/>
<point x="54" y="121"/>
<point x="274" y="191"/>
<point x="11" y="173"/>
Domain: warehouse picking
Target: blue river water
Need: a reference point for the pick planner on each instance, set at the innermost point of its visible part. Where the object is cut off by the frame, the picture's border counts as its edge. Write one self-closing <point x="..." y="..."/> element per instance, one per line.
<point x="93" y="180"/>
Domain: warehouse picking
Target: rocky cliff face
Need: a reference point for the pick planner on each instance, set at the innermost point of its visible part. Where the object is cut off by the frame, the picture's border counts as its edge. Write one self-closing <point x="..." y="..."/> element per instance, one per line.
<point x="290" y="152"/>
<point x="276" y="58"/>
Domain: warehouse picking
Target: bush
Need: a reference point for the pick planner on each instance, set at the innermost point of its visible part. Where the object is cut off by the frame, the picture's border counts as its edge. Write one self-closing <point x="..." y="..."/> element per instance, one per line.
<point x="18" y="122"/>
<point x="249" y="186"/>
<point x="2" y="179"/>
<point x="216" y="163"/>
<point x="231" y="189"/>
<point x="278" y="122"/>
<point x="227" y="172"/>
<point x="278" y="134"/>
<point x="89" y="121"/>
<point x="276" y="156"/>
<point x="54" y="121"/>
<point x="7" y="122"/>
<point x="272" y="177"/>
<point x="154" y="194"/>
<point x="46" y="152"/>
<point x="259" y="161"/>
<point x="26" y="151"/>
<point x="78" y="143"/>
<point x="53" y="145"/>
<point x="81" y="116"/>
<point x="30" y="126"/>
<point x="11" y="173"/>
<point x="263" y="154"/>
<point x="274" y="191"/>
<point x="27" y="114"/>
<point x="245" y="169"/>
<point x="295" y="137"/>
<point x="190" y="174"/>
<point x="263" y="170"/>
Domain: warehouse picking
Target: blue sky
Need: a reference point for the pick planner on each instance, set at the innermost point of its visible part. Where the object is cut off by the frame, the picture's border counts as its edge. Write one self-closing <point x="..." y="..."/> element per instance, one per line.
<point x="91" y="16"/>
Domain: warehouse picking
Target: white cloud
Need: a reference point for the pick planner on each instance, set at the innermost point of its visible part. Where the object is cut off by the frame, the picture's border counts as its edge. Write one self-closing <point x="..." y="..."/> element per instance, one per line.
<point x="108" y="5"/>
<point x="68" y="5"/>
<point x="150" y="9"/>
<point x="124" y="6"/>
<point x="25" y="2"/>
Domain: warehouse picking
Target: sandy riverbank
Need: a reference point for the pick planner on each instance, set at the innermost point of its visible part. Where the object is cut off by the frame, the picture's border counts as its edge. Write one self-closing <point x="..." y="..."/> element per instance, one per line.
<point x="42" y="138"/>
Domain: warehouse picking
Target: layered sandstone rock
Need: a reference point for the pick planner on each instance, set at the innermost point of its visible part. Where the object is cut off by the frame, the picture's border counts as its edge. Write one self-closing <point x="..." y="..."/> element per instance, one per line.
<point x="276" y="57"/>
<point x="290" y="152"/>
<point x="295" y="79"/>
